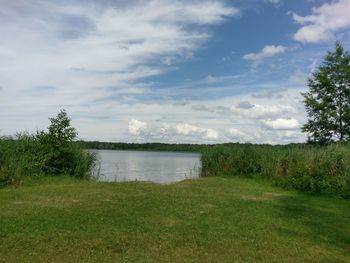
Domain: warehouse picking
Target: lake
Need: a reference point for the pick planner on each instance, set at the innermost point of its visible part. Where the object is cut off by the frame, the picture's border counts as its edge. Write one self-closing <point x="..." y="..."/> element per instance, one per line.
<point x="159" y="167"/>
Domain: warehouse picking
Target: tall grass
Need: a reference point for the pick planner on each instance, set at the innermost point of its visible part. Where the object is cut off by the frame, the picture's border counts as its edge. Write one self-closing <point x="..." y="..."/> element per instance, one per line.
<point x="310" y="168"/>
<point x="27" y="155"/>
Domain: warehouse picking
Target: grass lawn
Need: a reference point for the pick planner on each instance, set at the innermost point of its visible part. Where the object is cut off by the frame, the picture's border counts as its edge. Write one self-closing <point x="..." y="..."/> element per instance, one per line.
<point x="205" y="220"/>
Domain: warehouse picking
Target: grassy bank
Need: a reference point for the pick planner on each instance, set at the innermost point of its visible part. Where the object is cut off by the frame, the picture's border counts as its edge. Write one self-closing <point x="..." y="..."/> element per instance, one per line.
<point x="207" y="220"/>
<point x="308" y="168"/>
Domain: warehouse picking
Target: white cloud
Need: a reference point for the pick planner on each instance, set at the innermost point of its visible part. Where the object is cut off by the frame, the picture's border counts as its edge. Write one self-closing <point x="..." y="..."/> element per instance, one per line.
<point x="244" y="105"/>
<point x="185" y="128"/>
<point x="92" y="54"/>
<point x="299" y="77"/>
<point x="168" y="61"/>
<point x="257" y="111"/>
<point x="282" y="124"/>
<point x="200" y="107"/>
<point x="136" y="127"/>
<point x="211" y="134"/>
<point x="235" y="132"/>
<point x="91" y="59"/>
<point x="269" y="94"/>
<point x="266" y="52"/>
<point x="218" y="122"/>
<point x="238" y="136"/>
<point x="188" y="129"/>
<point x="324" y="22"/>
<point x="171" y="132"/>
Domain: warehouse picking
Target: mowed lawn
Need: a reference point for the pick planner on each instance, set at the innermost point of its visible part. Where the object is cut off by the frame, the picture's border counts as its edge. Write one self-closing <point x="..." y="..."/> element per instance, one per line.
<point x="205" y="220"/>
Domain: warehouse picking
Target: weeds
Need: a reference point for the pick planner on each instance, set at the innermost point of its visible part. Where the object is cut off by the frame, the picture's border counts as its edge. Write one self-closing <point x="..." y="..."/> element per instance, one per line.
<point x="309" y="168"/>
<point x="46" y="153"/>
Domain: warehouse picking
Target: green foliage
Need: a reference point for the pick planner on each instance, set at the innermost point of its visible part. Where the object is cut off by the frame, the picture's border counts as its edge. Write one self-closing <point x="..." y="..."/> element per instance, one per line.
<point x="57" y="145"/>
<point x="328" y="101"/>
<point x="46" y="153"/>
<point x="309" y="168"/>
<point x="60" y="130"/>
<point x="20" y="155"/>
<point x="171" y="147"/>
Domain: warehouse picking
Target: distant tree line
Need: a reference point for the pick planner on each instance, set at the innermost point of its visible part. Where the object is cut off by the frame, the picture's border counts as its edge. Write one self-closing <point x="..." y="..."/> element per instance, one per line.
<point x="143" y="146"/>
<point x="155" y="146"/>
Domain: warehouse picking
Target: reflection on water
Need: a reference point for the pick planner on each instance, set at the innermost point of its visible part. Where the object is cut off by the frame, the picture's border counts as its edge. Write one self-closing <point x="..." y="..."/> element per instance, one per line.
<point x="160" y="167"/>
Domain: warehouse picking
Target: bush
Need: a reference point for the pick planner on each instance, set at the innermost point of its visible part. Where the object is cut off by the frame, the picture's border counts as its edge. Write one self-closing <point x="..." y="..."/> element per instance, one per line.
<point x="46" y="153"/>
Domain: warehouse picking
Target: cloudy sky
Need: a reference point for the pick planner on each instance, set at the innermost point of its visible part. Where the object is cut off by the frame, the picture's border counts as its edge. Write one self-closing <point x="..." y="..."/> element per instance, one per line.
<point x="191" y="71"/>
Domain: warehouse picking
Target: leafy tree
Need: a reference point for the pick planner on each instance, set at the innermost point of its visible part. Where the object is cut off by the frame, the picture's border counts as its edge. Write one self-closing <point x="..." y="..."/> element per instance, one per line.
<point x="60" y="130"/>
<point x="57" y="144"/>
<point x="328" y="100"/>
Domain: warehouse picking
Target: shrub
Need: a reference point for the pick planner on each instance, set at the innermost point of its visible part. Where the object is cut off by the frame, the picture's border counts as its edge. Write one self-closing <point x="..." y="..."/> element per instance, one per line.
<point x="46" y="153"/>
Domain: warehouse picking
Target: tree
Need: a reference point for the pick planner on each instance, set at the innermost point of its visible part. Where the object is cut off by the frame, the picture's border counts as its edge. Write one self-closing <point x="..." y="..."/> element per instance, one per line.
<point x="57" y="144"/>
<point x="60" y="130"/>
<point x="328" y="100"/>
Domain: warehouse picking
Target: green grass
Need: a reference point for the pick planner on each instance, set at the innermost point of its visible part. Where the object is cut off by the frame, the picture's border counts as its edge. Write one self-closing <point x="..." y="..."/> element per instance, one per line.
<point x="216" y="219"/>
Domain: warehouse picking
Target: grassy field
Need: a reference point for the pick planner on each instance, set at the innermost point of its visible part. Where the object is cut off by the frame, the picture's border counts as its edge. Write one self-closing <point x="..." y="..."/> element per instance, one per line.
<point x="214" y="219"/>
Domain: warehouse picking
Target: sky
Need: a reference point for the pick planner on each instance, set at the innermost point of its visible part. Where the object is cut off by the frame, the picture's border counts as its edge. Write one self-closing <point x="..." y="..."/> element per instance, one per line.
<point x="191" y="71"/>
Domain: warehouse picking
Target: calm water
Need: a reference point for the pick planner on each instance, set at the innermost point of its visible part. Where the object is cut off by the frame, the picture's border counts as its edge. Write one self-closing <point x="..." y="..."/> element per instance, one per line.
<point x="160" y="167"/>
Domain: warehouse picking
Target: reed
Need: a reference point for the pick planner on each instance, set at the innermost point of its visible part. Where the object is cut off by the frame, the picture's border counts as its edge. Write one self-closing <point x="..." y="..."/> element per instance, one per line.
<point x="25" y="155"/>
<point x="309" y="168"/>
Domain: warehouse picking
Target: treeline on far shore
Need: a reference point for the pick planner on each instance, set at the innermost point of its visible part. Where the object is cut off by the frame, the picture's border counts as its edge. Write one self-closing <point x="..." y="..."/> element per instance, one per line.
<point x="157" y="146"/>
<point x="171" y="147"/>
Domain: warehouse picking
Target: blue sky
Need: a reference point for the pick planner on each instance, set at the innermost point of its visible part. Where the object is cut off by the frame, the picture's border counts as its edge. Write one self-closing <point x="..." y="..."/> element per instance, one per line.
<point x="168" y="71"/>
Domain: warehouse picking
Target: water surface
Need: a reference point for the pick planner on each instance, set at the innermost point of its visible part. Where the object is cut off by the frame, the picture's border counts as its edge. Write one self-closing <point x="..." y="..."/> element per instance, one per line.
<point x="159" y="167"/>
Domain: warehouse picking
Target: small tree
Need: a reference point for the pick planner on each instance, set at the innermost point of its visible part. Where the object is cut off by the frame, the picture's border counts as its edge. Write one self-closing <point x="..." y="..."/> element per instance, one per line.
<point x="60" y="130"/>
<point x="328" y="101"/>
<point x="57" y="144"/>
